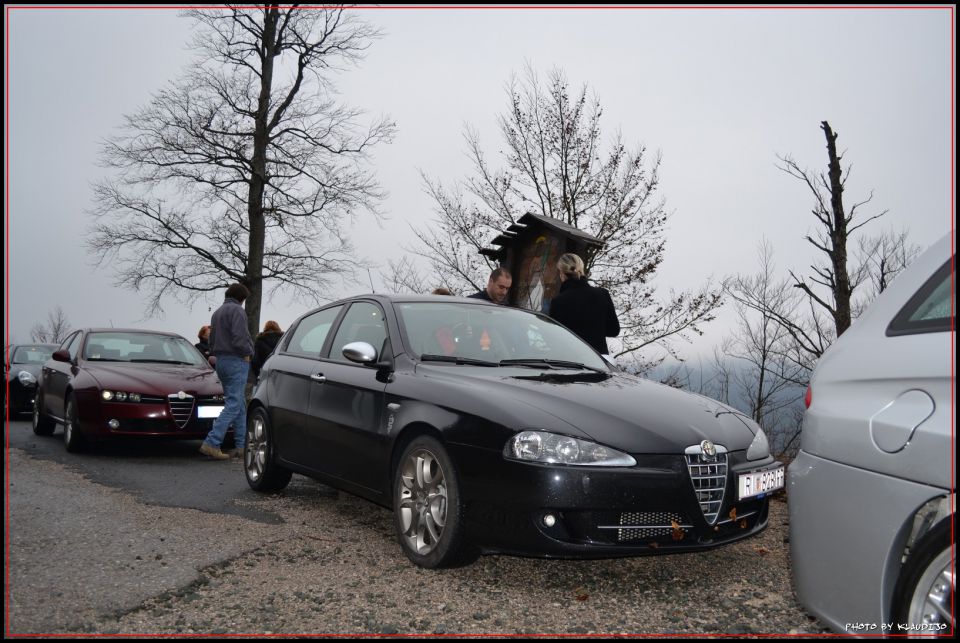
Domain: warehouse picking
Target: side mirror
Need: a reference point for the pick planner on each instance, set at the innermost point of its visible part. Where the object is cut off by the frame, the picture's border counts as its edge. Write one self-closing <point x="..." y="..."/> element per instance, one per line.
<point x="61" y="356"/>
<point x="360" y="352"/>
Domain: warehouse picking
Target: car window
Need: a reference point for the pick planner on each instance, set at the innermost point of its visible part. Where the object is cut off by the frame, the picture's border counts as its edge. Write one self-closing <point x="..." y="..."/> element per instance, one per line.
<point x="31" y="355"/>
<point x="156" y="348"/>
<point x="72" y="345"/>
<point x="364" y="322"/>
<point x="312" y="331"/>
<point x="490" y="333"/>
<point x="929" y="310"/>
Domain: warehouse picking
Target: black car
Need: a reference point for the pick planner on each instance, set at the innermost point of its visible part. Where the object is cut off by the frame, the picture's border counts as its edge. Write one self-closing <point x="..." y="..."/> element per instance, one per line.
<point x="21" y="370"/>
<point x="488" y="428"/>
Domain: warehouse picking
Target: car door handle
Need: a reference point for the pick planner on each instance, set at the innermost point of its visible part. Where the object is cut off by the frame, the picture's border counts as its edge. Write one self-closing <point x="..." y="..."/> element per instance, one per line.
<point x="318" y="377"/>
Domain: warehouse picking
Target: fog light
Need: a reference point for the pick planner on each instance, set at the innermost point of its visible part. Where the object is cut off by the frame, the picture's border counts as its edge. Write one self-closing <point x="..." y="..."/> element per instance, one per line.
<point x="114" y="424"/>
<point x="549" y="520"/>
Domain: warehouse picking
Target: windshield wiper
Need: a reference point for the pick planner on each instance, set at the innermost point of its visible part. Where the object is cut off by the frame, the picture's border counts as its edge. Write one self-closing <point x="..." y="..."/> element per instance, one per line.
<point x="550" y="363"/>
<point x="161" y="361"/>
<point x="456" y="360"/>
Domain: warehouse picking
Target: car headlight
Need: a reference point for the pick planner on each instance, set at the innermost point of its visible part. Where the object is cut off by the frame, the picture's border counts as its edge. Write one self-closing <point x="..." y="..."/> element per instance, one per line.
<point x="549" y="448"/>
<point x="759" y="448"/>
<point x="119" y="396"/>
<point x="26" y="378"/>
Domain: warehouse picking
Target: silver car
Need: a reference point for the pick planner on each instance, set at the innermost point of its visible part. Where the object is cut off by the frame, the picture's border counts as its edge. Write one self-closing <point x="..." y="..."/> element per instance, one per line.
<point x="872" y="492"/>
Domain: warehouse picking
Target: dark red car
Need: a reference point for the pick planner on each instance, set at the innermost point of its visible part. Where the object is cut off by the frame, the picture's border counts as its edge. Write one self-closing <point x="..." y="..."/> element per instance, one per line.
<point x="110" y="382"/>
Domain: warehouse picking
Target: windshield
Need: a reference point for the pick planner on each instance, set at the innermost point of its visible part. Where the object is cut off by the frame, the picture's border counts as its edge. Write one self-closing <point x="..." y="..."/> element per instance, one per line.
<point x="141" y="347"/>
<point x="31" y="355"/>
<point x="491" y="334"/>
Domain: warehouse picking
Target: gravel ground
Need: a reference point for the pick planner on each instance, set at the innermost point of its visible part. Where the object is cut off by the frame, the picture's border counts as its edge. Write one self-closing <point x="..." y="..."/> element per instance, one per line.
<point x="334" y="567"/>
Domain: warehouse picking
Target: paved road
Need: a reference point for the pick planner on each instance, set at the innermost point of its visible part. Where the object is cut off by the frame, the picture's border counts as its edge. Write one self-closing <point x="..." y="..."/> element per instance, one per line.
<point x="154" y="538"/>
<point x="167" y="473"/>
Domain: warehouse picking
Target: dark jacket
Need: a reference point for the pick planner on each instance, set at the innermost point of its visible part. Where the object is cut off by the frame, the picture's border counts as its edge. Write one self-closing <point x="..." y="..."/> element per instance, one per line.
<point x="262" y="348"/>
<point x="587" y="311"/>
<point x="480" y="294"/>
<point x="228" y="331"/>
<point x="203" y="347"/>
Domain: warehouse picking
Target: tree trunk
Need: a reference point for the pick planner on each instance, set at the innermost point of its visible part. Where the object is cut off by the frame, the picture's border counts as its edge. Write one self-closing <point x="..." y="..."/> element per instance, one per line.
<point x="838" y="237"/>
<point x="259" y="167"/>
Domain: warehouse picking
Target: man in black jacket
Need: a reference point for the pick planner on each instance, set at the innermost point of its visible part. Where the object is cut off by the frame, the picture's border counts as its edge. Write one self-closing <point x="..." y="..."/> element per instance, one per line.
<point x="497" y="287"/>
<point x="231" y="344"/>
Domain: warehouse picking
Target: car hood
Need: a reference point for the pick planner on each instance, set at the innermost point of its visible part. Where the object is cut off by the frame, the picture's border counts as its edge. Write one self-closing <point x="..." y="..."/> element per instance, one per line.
<point x="622" y="411"/>
<point x="157" y="379"/>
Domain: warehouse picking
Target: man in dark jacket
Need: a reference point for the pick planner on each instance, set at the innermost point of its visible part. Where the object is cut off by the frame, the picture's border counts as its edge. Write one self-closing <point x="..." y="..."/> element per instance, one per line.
<point x="231" y="344"/>
<point x="498" y="285"/>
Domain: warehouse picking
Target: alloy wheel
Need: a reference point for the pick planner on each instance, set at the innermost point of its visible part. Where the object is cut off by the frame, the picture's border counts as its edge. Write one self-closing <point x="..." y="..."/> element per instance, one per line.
<point x="933" y="595"/>
<point x="255" y="456"/>
<point x="422" y="501"/>
<point x="68" y="427"/>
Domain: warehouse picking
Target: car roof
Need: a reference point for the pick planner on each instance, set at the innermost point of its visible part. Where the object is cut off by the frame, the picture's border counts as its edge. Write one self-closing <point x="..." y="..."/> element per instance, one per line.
<point x="130" y="330"/>
<point x="411" y="298"/>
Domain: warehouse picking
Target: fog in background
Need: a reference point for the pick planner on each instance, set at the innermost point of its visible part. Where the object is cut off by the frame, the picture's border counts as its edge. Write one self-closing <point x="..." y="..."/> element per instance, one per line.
<point x="719" y="92"/>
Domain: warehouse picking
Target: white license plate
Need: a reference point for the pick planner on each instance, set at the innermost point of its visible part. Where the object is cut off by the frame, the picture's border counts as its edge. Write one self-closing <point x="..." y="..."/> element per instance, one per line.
<point x="208" y="411"/>
<point x="757" y="482"/>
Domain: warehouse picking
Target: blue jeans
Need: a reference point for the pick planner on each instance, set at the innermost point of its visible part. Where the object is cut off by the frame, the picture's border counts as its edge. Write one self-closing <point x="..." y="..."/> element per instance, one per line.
<point x="232" y="372"/>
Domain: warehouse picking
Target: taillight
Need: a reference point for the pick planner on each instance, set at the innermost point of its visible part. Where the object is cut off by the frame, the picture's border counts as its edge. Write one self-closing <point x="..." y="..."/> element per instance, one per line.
<point x="808" y="397"/>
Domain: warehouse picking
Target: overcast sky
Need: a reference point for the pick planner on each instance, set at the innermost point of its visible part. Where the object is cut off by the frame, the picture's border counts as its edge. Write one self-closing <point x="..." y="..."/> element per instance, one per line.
<point x="719" y="92"/>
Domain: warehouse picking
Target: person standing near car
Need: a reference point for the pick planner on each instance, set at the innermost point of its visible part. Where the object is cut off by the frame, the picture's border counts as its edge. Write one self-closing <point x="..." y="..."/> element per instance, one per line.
<point x="586" y="310"/>
<point x="232" y="346"/>
<point x="263" y="347"/>
<point x="204" y="344"/>
<point x="498" y="285"/>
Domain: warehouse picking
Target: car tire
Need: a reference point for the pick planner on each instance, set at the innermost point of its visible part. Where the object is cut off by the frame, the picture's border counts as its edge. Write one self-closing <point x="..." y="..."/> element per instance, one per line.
<point x="428" y="512"/>
<point x="259" y="457"/>
<point x="72" y="438"/>
<point x="42" y="423"/>
<point x="925" y="587"/>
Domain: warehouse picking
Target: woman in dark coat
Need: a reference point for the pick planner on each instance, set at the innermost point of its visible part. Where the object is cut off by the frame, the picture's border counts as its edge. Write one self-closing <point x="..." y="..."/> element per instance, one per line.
<point x="264" y="345"/>
<point x="586" y="310"/>
<point x="204" y="344"/>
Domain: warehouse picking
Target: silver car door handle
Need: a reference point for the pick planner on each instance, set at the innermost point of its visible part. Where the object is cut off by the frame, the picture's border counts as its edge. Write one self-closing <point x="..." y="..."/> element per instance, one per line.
<point x="318" y="377"/>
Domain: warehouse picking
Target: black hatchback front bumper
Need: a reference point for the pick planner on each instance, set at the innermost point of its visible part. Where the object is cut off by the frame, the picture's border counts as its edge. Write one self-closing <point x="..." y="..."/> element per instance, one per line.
<point x="591" y="512"/>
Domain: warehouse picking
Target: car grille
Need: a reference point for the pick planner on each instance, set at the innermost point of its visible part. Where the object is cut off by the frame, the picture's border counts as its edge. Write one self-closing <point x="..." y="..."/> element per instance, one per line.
<point x="147" y="399"/>
<point x="637" y="525"/>
<point x="181" y="408"/>
<point x="709" y="477"/>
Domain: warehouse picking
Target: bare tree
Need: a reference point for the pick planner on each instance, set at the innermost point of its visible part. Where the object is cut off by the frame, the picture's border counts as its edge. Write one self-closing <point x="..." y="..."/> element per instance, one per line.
<point x="247" y="169"/>
<point x="830" y="297"/>
<point x="553" y="165"/>
<point x="54" y="331"/>
<point x="769" y="374"/>
<point x="786" y="325"/>
<point x="836" y="227"/>
<point x="884" y="257"/>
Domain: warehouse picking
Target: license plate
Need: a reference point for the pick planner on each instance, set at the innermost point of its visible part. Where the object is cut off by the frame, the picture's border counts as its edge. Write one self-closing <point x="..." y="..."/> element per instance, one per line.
<point x="758" y="482"/>
<point x="208" y="411"/>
